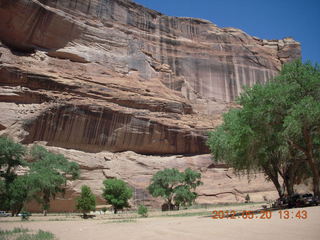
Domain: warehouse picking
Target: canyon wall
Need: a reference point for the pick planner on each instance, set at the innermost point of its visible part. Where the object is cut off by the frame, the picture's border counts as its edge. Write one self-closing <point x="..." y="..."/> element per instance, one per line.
<point x="220" y="184"/>
<point x="111" y="75"/>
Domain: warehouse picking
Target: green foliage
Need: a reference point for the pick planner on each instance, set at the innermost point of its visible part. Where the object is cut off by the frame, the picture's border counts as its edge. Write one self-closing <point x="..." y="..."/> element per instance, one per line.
<point x="184" y="196"/>
<point x="3" y="195"/>
<point x="164" y="182"/>
<point x="175" y="187"/>
<point x="104" y="210"/>
<point x="11" y="156"/>
<point x="191" y="178"/>
<point x="2" y="187"/>
<point x="143" y="211"/>
<point x="276" y="130"/>
<point x="87" y="201"/>
<point x="40" y="235"/>
<point x="13" y="231"/>
<point x="25" y="215"/>
<point x="117" y="193"/>
<point x="20" y="191"/>
<point x="57" y="162"/>
<point x="24" y="234"/>
<point x="49" y="173"/>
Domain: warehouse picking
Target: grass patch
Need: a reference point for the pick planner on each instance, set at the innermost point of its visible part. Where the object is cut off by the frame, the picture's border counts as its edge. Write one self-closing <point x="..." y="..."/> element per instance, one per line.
<point x="218" y="205"/>
<point x="15" y="230"/>
<point x="40" y="235"/>
<point x="130" y="220"/>
<point x="57" y="219"/>
<point x="24" y="234"/>
<point x="185" y="214"/>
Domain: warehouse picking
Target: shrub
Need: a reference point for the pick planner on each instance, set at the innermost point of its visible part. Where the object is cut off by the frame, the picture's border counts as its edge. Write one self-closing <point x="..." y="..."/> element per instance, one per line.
<point x="104" y="209"/>
<point x="143" y="211"/>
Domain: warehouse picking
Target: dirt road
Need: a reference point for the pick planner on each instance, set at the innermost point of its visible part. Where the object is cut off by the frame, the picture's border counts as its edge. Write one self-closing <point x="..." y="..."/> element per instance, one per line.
<point x="184" y="228"/>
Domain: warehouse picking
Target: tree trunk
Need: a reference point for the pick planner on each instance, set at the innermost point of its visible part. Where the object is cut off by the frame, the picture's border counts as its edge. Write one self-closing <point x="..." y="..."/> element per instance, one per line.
<point x="275" y="181"/>
<point x="170" y="205"/>
<point x="46" y="203"/>
<point x="278" y="187"/>
<point x="289" y="185"/>
<point x="316" y="179"/>
<point x="115" y="210"/>
<point x="289" y="177"/>
<point x="308" y="151"/>
<point x="312" y="163"/>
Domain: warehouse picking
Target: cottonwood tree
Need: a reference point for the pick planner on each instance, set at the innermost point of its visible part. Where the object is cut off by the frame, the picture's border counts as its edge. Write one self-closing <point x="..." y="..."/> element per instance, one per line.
<point x="117" y="193"/>
<point x="20" y="192"/>
<point x="276" y="129"/>
<point x="87" y="201"/>
<point x="48" y="174"/>
<point x="11" y="157"/>
<point x="177" y="188"/>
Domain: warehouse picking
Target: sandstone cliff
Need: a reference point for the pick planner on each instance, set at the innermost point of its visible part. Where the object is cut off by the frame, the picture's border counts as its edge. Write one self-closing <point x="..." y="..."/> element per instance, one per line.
<point x="111" y="75"/>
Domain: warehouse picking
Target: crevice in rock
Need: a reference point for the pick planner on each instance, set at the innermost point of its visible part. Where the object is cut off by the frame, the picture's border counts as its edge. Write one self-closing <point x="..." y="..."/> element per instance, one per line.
<point x="2" y="127"/>
<point x="25" y="97"/>
<point x="12" y="76"/>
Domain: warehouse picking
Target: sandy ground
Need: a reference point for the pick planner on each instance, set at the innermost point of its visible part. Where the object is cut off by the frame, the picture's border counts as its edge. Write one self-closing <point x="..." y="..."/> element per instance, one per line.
<point x="176" y="228"/>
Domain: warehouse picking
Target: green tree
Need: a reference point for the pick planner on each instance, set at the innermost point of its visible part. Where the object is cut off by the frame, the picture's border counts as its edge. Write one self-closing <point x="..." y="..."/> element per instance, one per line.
<point x="20" y="192"/>
<point x="87" y="201"/>
<point x="49" y="173"/>
<point x="11" y="157"/>
<point x="3" y="196"/>
<point x="276" y="130"/>
<point x="143" y="211"/>
<point x="117" y="193"/>
<point x="175" y="187"/>
<point x="184" y="196"/>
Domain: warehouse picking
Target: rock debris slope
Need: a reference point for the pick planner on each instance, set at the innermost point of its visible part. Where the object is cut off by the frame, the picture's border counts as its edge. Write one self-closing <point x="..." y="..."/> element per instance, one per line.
<point x="111" y="75"/>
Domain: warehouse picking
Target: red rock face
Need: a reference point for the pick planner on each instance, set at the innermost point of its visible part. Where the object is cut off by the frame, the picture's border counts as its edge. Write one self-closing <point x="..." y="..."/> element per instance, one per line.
<point x="114" y="76"/>
<point x="94" y="129"/>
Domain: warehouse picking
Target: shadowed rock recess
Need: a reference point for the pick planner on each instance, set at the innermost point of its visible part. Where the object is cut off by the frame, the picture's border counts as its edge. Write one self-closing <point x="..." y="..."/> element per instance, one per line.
<point x="109" y="76"/>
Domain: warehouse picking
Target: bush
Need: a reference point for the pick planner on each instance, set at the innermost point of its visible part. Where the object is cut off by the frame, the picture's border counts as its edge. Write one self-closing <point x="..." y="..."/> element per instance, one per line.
<point x="104" y="209"/>
<point x="25" y="216"/>
<point x="143" y="211"/>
